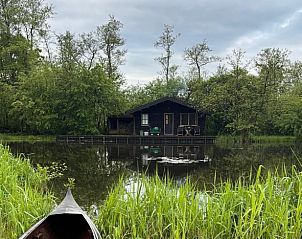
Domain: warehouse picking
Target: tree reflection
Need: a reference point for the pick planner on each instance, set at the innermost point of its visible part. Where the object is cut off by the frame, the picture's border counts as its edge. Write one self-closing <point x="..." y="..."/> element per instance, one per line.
<point x="97" y="168"/>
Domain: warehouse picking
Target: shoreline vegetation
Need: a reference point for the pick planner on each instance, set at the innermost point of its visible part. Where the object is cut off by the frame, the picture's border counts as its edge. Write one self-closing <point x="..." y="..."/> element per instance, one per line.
<point x="264" y="205"/>
<point x="26" y="138"/>
<point x="24" y="198"/>
<point x="221" y="139"/>
<point x="268" y="205"/>
<point x="260" y="139"/>
<point x="61" y="83"/>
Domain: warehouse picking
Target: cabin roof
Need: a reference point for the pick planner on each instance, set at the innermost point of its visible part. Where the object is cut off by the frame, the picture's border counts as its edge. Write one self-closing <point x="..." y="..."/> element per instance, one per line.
<point x="158" y="101"/>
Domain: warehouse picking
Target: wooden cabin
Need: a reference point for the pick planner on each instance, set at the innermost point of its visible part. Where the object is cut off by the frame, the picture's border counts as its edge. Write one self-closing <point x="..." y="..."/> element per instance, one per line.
<point x="165" y="116"/>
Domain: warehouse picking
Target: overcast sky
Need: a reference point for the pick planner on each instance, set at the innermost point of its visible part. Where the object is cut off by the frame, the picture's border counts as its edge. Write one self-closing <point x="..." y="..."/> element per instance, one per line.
<point x="226" y="24"/>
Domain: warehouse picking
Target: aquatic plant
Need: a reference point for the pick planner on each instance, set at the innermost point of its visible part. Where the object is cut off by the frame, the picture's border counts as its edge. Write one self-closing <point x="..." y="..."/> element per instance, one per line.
<point x="231" y="140"/>
<point x="24" y="198"/>
<point x="260" y="206"/>
<point x="26" y="138"/>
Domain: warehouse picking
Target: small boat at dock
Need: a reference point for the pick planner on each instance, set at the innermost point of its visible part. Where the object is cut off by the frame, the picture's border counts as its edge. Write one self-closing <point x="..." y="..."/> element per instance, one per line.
<point x="66" y="221"/>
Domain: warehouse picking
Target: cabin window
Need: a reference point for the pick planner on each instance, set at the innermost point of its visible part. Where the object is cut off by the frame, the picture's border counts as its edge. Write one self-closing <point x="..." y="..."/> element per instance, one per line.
<point x="188" y="119"/>
<point x="145" y="119"/>
<point x="192" y="119"/>
<point x="184" y="119"/>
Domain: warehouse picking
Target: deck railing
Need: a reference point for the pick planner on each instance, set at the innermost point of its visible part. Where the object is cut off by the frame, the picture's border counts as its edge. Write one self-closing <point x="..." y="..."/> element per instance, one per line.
<point x="133" y="139"/>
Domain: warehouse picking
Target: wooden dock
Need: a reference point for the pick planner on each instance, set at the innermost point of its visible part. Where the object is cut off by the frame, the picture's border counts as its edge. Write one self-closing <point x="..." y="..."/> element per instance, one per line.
<point x="135" y="139"/>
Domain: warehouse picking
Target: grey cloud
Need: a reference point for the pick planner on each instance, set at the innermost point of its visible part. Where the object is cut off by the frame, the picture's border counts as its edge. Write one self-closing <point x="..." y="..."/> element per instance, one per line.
<point x="223" y="23"/>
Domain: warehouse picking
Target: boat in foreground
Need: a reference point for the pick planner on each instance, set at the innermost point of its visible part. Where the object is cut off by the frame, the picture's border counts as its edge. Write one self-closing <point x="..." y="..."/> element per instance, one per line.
<point x="67" y="221"/>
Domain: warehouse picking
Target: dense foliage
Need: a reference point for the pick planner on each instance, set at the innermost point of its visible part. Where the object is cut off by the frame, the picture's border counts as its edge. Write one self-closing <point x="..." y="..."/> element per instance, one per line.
<point x="70" y="84"/>
<point x="268" y="101"/>
<point x="66" y="88"/>
<point x="23" y="196"/>
<point x="261" y="206"/>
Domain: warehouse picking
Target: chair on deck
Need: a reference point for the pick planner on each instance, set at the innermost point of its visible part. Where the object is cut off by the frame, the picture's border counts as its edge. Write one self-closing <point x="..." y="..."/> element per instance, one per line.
<point x="180" y="130"/>
<point x="197" y="130"/>
<point x="155" y="131"/>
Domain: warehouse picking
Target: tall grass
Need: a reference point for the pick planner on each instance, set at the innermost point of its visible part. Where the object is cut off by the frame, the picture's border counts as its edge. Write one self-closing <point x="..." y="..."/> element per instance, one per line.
<point x="273" y="139"/>
<point x="23" y="195"/>
<point x="228" y="140"/>
<point x="256" y="207"/>
<point x="26" y="138"/>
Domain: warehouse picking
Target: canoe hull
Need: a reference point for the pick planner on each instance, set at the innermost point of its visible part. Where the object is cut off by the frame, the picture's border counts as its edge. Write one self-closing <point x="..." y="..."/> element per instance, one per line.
<point x="67" y="221"/>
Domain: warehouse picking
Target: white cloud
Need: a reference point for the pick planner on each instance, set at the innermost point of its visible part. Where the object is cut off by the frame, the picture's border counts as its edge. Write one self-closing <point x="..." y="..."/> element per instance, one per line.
<point x="247" y="41"/>
<point x="250" y="25"/>
<point x="292" y="18"/>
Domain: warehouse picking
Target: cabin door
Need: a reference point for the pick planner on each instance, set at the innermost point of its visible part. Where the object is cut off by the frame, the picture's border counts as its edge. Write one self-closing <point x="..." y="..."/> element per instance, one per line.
<point x="168" y="123"/>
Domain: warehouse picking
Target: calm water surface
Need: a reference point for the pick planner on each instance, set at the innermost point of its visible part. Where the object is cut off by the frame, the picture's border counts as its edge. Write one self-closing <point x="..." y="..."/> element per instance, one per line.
<point x="97" y="168"/>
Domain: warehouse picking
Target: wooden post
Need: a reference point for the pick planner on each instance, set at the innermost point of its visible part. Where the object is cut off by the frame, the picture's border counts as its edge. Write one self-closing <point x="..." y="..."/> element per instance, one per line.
<point x="133" y="125"/>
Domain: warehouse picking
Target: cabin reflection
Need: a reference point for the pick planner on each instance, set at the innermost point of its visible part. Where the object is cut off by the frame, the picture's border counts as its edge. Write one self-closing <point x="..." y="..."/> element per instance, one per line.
<point x="175" y="157"/>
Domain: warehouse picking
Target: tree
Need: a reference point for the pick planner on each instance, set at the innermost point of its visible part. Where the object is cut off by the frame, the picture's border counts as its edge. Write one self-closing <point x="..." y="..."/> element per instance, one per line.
<point x="197" y="56"/>
<point x="90" y="49"/>
<point x="272" y="65"/>
<point x="237" y="62"/>
<point x="230" y="96"/>
<point x="138" y="95"/>
<point x="166" y="41"/>
<point x="34" y="20"/>
<point x="7" y="93"/>
<point x="16" y="57"/>
<point x="294" y="75"/>
<point x="32" y="109"/>
<point x="69" y="53"/>
<point x="288" y="115"/>
<point x="21" y="25"/>
<point x="26" y="17"/>
<point x="110" y="43"/>
<point x="243" y="94"/>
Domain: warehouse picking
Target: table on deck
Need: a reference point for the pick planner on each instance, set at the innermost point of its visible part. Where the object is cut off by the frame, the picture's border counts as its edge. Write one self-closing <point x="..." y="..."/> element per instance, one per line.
<point x="188" y="130"/>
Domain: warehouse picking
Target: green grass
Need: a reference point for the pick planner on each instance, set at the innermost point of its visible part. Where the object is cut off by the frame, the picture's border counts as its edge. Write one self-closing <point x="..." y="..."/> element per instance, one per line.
<point x="25" y="138"/>
<point x="273" y="139"/>
<point x="255" y="207"/>
<point x="23" y="194"/>
<point x="263" y="205"/>
<point x="227" y="140"/>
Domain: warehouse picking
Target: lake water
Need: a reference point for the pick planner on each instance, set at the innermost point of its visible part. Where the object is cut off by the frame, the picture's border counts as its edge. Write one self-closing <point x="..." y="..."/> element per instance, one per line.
<point x="97" y="168"/>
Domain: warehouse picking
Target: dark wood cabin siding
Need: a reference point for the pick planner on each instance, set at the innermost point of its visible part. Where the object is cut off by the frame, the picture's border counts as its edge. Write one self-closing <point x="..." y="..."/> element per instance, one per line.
<point x="130" y="122"/>
<point x="201" y="122"/>
<point x="156" y="116"/>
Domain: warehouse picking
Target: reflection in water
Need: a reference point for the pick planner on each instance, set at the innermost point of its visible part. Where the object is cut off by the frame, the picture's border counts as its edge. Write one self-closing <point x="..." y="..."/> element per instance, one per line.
<point x="94" y="172"/>
<point x="97" y="168"/>
<point x="175" y="159"/>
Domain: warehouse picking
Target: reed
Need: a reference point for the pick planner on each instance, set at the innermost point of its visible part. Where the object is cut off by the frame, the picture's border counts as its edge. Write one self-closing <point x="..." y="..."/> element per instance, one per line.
<point x="229" y="140"/>
<point x="23" y="194"/>
<point x="26" y="138"/>
<point x="273" y="139"/>
<point x="260" y="206"/>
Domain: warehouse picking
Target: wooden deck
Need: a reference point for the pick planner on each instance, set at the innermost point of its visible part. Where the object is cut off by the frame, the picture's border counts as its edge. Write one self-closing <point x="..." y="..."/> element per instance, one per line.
<point x="139" y="140"/>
